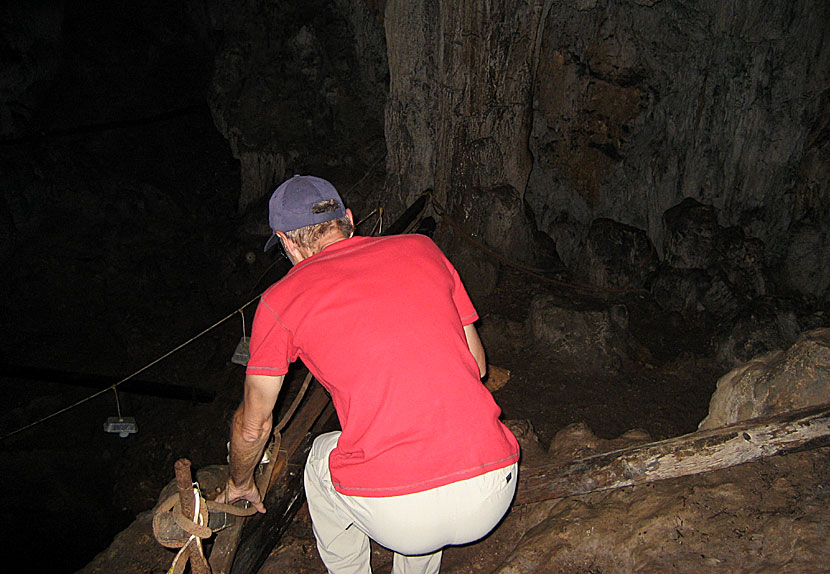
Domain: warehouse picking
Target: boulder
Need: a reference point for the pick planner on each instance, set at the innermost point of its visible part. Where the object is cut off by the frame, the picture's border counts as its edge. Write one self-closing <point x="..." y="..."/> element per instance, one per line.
<point x="690" y="230"/>
<point x="710" y="273"/>
<point x="488" y="228"/>
<point x="592" y="339"/>
<point x="763" y="327"/>
<point x="695" y="294"/>
<point x="741" y="262"/>
<point x="805" y="268"/>
<point x="775" y="382"/>
<point x="614" y="255"/>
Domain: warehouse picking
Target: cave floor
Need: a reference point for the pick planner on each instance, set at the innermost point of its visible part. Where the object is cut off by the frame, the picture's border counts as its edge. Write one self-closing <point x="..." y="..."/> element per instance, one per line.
<point x="665" y="398"/>
<point x="123" y="476"/>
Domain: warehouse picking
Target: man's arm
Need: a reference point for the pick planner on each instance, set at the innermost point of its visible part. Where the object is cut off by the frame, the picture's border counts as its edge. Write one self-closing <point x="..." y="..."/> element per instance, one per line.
<point x="476" y="348"/>
<point x="249" y="433"/>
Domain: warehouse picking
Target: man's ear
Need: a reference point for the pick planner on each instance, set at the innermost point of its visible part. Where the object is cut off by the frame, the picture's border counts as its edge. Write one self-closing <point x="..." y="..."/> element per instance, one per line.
<point x="288" y="246"/>
<point x="350" y="215"/>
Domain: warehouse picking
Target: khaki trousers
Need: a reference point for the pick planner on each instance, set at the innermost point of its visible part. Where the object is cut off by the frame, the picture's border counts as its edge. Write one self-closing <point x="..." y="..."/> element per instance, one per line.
<point x="415" y="526"/>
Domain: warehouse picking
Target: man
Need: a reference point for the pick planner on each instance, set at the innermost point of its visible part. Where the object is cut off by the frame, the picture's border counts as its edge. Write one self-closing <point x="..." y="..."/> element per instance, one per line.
<point x="386" y="326"/>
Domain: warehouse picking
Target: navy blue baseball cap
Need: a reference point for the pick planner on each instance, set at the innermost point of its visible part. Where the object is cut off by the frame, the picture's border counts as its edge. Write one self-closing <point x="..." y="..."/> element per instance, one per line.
<point x="301" y="201"/>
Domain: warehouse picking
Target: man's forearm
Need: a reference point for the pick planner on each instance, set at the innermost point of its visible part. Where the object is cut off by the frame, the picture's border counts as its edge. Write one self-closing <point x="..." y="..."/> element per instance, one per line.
<point x="247" y="445"/>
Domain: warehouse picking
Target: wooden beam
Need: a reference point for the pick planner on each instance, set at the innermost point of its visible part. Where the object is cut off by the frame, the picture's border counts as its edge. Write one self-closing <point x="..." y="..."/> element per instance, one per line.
<point x="694" y="453"/>
<point x="262" y="531"/>
<point x="408" y="217"/>
<point x="248" y="541"/>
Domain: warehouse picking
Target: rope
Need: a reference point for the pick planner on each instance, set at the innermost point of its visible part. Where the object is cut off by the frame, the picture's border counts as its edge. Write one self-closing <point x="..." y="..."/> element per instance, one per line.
<point x="109" y="125"/>
<point x="128" y="377"/>
<point x="185" y="549"/>
<point x="287" y="417"/>
<point x="440" y="211"/>
<point x="117" y="402"/>
<point x="173" y="529"/>
<point x="368" y="171"/>
<point x="192" y="548"/>
<point x="378" y="225"/>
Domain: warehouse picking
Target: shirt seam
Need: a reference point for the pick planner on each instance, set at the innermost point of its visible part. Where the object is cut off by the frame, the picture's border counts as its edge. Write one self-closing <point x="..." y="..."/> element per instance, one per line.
<point x="285" y="328"/>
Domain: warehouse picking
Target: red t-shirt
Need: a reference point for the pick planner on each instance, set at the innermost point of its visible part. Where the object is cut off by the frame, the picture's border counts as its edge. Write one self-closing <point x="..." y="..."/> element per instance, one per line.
<point x="379" y="321"/>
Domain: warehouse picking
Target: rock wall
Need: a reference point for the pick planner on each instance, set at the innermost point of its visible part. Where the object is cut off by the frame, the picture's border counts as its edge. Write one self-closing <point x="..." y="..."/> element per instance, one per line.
<point x="297" y="85"/>
<point x="521" y="116"/>
<point x="457" y="117"/>
<point x="640" y="104"/>
<point x="620" y="109"/>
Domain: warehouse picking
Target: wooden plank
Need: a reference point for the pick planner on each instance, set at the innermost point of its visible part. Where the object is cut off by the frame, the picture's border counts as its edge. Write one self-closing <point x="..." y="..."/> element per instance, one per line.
<point x="408" y="217"/>
<point x="690" y="454"/>
<point x="316" y="401"/>
<point x="228" y="542"/>
<point x="262" y="532"/>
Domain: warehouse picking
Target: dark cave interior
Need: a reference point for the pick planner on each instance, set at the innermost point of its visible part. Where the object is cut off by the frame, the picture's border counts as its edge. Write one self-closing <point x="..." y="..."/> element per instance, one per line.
<point x="123" y="236"/>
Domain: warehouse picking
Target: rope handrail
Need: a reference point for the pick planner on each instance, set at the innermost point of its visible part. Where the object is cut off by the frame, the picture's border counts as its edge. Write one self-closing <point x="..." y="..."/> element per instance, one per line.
<point x="114" y="386"/>
<point x="128" y="377"/>
<point x="439" y="210"/>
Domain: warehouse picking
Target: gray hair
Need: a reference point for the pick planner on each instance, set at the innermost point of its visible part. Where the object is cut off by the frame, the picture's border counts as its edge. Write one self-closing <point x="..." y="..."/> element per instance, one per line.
<point x="306" y="237"/>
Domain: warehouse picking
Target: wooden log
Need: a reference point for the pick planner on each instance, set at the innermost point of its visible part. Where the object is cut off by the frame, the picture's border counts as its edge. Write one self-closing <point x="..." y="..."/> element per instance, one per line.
<point x="408" y="217"/>
<point x="690" y="454"/>
<point x="229" y="542"/>
<point x="262" y="531"/>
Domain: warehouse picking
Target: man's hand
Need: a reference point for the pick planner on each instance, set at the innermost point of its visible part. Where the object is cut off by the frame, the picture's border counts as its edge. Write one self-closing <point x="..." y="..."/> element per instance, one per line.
<point x="248" y="492"/>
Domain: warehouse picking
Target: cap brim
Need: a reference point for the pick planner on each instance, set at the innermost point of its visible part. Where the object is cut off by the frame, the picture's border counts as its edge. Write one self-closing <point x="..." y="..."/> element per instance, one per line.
<point x="271" y="242"/>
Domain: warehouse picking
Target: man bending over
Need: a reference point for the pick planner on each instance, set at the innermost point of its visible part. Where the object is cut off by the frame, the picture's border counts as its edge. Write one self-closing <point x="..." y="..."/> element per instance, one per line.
<point x="386" y="326"/>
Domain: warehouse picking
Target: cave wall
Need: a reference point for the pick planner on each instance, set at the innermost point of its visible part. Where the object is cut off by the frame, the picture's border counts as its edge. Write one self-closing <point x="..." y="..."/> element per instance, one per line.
<point x="619" y="109"/>
<point x="519" y="115"/>
<point x="298" y="84"/>
<point x="457" y="117"/>
<point x="458" y="120"/>
<point x="639" y="105"/>
<point x="292" y="86"/>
